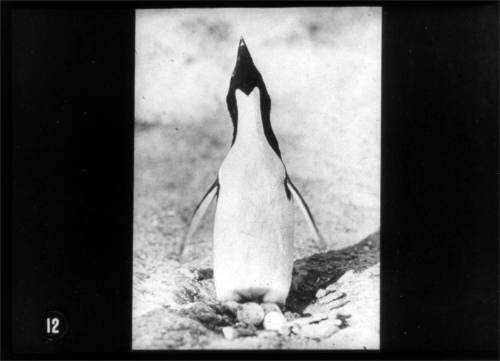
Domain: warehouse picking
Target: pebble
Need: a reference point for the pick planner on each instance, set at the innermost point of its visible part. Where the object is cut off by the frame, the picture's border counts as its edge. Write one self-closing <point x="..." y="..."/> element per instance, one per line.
<point x="275" y="321"/>
<point x="229" y="332"/>
<point x="290" y="316"/>
<point x="232" y="306"/>
<point x="239" y="324"/>
<point x="338" y="322"/>
<point x="316" y="330"/>
<point x="332" y="288"/>
<point x="204" y="274"/>
<point x="250" y="313"/>
<point x="321" y="293"/>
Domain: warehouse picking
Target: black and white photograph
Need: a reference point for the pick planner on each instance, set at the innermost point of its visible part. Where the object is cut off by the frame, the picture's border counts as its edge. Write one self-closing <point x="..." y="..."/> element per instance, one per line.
<point x="230" y="180"/>
<point x="257" y="178"/>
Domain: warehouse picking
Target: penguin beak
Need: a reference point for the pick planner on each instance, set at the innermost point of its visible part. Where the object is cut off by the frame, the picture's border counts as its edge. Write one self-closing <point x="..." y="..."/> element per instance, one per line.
<point x="245" y="75"/>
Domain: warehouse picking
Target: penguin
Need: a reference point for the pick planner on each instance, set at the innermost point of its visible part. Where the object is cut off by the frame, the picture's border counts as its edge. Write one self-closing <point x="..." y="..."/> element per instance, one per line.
<point x="253" y="231"/>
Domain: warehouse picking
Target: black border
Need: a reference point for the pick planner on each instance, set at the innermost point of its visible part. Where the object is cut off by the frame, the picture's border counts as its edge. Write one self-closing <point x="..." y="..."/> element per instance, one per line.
<point x="440" y="179"/>
<point x="413" y="197"/>
<point x="79" y="84"/>
<point x="5" y="199"/>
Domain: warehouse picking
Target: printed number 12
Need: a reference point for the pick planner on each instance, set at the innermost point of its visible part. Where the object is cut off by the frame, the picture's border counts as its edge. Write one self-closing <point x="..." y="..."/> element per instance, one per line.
<point x="52" y="325"/>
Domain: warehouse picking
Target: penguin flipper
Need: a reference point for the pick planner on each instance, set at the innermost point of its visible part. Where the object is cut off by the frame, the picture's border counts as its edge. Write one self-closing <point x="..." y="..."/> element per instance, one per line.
<point x="307" y="214"/>
<point x="198" y="214"/>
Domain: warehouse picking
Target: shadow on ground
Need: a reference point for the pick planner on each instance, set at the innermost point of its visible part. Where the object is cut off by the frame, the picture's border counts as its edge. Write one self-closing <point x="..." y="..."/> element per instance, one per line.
<point x="315" y="272"/>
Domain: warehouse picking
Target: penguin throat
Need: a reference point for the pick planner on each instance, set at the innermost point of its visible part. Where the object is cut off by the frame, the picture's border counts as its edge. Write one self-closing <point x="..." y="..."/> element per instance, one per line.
<point x="252" y="120"/>
<point x="250" y="126"/>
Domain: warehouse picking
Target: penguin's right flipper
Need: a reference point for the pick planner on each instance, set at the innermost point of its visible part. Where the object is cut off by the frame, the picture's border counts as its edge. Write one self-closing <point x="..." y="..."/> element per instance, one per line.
<point x="198" y="214"/>
<point x="307" y="214"/>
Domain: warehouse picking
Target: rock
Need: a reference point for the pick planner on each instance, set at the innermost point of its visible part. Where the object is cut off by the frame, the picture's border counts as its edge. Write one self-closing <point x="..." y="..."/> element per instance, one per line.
<point x="195" y="274"/>
<point x="322" y="329"/>
<point x="204" y="274"/>
<point x="331" y="288"/>
<point x="240" y="324"/>
<point x="251" y="313"/>
<point x="231" y="333"/>
<point x="232" y="306"/>
<point x="321" y="293"/>
<point x="275" y="321"/>
<point x="290" y="316"/>
<point x="206" y="314"/>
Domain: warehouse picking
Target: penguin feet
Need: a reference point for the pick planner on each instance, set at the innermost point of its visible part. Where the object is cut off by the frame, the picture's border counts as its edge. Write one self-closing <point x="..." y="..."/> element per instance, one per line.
<point x="253" y="294"/>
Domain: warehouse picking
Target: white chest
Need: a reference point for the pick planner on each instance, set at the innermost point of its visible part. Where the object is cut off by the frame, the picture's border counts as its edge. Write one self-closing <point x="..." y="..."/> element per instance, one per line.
<point x="254" y="221"/>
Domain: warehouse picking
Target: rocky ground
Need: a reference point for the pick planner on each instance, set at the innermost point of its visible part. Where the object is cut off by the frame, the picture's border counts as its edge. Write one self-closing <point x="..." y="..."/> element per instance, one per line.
<point x="333" y="303"/>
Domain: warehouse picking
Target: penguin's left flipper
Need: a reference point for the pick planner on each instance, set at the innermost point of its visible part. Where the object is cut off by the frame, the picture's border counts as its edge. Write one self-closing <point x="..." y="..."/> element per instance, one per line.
<point x="307" y="214"/>
<point x="198" y="214"/>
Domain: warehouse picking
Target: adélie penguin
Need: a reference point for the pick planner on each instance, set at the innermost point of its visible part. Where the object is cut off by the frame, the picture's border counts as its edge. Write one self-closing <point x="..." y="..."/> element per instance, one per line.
<point x="254" y="218"/>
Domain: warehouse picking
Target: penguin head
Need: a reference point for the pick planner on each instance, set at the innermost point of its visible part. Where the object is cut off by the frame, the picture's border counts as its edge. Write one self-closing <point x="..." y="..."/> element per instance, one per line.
<point x="246" y="77"/>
